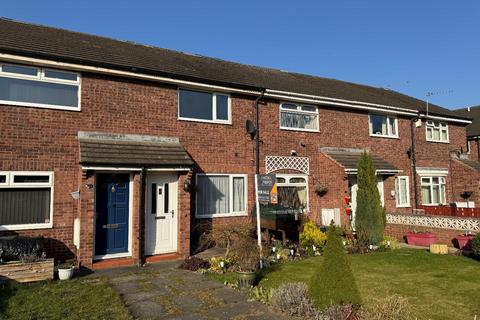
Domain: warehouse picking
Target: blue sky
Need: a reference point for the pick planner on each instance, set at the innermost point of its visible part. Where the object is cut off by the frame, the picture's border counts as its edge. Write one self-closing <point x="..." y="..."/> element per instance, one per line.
<point x="410" y="46"/>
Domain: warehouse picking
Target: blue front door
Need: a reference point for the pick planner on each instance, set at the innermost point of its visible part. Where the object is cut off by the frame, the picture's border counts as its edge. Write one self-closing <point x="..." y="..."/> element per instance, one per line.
<point x="112" y="209"/>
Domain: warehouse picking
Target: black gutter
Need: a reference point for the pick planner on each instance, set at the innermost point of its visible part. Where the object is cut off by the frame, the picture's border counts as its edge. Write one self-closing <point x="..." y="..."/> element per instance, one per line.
<point x="257" y="132"/>
<point x="414" y="161"/>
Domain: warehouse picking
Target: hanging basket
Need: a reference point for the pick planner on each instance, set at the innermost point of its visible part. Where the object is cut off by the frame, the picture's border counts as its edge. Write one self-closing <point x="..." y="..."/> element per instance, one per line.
<point x="320" y="189"/>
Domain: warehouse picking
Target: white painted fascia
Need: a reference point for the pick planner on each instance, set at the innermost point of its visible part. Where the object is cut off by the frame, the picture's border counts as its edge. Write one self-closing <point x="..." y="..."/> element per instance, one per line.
<point x="424" y="116"/>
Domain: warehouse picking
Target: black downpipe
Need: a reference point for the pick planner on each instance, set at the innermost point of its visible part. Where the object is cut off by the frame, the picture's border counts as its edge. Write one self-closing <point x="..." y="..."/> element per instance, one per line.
<point x="257" y="132"/>
<point x="478" y="148"/>
<point x="414" y="162"/>
<point x="142" y="215"/>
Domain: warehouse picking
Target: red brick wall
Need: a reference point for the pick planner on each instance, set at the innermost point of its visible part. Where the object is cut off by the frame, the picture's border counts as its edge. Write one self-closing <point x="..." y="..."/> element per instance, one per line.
<point x="42" y="139"/>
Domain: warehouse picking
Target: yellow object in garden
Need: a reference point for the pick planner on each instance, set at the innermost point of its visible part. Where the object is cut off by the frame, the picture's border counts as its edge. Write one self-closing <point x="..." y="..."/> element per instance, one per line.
<point x="274" y="195"/>
<point x="439" y="248"/>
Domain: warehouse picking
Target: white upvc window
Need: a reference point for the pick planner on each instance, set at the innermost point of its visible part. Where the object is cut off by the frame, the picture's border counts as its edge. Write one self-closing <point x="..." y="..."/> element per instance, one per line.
<point x="221" y="195"/>
<point x="382" y="125"/>
<point x="203" y="106"/>
<point x="433" y="190"/>
<point x="293" y="191"/>
<point x="402" y="191"/>
<point x="437" y="131"/>
<point x="31" y="86"/>
<point x="298" y="117"/>
<point x="26" y="200"/>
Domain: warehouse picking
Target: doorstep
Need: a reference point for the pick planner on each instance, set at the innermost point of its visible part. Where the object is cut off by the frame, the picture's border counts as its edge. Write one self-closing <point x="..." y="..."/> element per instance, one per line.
<point x="112" y="263"/>
<point x="162" y="257"/>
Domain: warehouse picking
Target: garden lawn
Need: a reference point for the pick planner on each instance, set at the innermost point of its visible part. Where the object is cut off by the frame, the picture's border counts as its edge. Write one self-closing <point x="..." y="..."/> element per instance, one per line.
<point x="74" y="299"/>
<point x="437" y="286"/>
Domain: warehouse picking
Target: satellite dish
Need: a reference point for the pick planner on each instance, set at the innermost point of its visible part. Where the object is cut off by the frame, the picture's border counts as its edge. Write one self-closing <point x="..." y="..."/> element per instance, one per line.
<point x="250" y="127"/>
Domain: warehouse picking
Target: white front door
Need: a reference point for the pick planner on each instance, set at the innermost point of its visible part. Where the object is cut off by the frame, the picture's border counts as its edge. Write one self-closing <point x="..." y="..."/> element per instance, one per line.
<point x="162" y="215"/>
<point x="352" y="181"/>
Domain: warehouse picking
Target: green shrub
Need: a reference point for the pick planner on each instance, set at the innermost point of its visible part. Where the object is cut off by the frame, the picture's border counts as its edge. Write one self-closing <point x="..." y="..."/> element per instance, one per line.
<point x="476" y="245"/>
<point x="312" y="236"/>
<point x="333" y="282"/>
<point x="369" y="214"/>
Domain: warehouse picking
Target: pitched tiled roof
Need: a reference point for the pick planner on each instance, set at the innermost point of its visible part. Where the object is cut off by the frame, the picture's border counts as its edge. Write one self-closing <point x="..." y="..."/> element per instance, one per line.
<point x="473" y="129"/>
<point x="131" y="150"/>
<point x="67" y="46"/>
<point x="471" y="163"/>
<point x="348" y="158"/>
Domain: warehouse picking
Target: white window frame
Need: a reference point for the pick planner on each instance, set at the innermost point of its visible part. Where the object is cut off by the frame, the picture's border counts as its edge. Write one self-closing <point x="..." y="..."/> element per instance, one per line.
<point x="214" y="107"/>
<point x="389" y="134"/>
<point x="442" y="197"/>
<point x="287" y="183"/>
<point x="299" y="111"/>
<point x="469" y="147"/>
<point x="11" y="184"/>
<point x="231" y="213"/>
<point x="439" y="125"/>
<point x="41" y="78"/>
<point x="398" y="196"/>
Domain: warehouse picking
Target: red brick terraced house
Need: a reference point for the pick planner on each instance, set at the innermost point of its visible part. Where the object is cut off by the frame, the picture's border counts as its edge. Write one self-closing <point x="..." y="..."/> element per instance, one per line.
<point x="116" y="151"/>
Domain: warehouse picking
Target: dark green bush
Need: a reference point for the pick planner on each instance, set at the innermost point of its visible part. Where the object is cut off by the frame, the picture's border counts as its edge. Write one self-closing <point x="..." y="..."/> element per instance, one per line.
<point x="476" y="245"/>
<point x="369" y="213"/>
<point x="333" y="282"/>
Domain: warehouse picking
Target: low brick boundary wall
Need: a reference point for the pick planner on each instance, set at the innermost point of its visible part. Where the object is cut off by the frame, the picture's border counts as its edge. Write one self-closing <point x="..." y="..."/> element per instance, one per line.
<point x="446" y="228"/>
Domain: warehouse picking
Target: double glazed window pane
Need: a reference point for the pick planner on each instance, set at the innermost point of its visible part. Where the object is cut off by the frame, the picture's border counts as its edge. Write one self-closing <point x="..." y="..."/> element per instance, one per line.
<point x="20" y="70"/>
<point x="196" y="105"/>
<point x="32" y="91"/>
<point x="220" y="194"/>
<point x="222" y="107"/>
<point x="24" y="206"/>
<point x="383" y="125"/>
<point x="238" y="194"/>
<point x="298" y="120"/>
<point x="60" y="75"/>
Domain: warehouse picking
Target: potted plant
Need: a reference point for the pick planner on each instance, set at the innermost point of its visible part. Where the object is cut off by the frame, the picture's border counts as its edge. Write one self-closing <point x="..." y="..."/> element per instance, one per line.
<point x="65" y="271"/>
<point x="320" y="189"/>
<point x="421" y="238"/>
<point x="464" y="241"/>
<point x="247" y="256"/>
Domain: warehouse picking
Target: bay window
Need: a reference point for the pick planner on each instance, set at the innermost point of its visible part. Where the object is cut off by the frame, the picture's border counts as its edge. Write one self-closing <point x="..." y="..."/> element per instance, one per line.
<point x="292" y="192"/>
<point x="39" y="87"/>
<point x="204" y="106"/>
<point x="26" y="200"/>
<point x="298" y="117"/>
<point x="437" y="131"/>
<point x="221" y="195"/>
<point x="383" y="125"/>
<point x="433" y="190"/>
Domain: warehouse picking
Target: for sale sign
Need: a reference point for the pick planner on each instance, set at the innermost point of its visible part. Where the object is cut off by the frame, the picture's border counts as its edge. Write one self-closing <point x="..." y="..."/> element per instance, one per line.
<point x="266" y="184"/>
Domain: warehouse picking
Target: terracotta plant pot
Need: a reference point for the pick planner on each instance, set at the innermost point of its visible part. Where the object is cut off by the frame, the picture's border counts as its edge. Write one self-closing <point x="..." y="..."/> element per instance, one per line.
<point x="424" y="239"/>
<point x="246" y="279"/>
<point x="464" y="242"/>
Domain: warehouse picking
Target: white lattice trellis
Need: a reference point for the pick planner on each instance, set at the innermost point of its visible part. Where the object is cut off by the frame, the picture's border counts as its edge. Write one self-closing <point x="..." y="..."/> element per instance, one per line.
<point x="456" y="223"/>
<point x="275" y="163"/>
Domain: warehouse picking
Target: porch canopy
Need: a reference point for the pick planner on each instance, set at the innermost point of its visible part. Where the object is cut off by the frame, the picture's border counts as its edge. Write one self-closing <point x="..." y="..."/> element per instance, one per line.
<point x="104" y="150"/>
<point x="349" y="157"/>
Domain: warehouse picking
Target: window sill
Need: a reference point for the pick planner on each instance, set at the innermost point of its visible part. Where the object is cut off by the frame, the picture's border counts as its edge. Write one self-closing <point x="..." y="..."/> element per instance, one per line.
<point x="38" y="105"/>
<point x="220" y="215"/>
<point x="404" y="206"/>
<point x="27" y="226"/>
<point x="434" y="204"/>
<point x="299" y="129"/>
<point x="205" y="121"/>
<point x="438" y="141"/>
<point x="383" y="136"/>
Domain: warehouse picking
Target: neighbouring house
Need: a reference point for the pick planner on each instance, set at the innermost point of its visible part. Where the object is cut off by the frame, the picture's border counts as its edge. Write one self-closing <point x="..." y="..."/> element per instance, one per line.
<point x="116" y="151"/>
